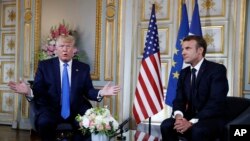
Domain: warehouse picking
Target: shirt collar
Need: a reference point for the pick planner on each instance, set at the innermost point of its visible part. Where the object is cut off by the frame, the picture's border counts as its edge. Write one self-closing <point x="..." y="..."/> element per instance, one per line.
<point x="197" y="67"/>
<point x="69" y="63"/>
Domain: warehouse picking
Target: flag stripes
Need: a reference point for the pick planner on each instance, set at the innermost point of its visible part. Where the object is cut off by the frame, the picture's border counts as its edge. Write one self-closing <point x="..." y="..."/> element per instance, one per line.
<point x="149" y="90"/>
<point x="141" y="136"/>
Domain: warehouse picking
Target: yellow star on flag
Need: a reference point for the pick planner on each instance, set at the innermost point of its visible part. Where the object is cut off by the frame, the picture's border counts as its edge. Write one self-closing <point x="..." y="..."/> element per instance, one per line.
<point x="173" y="63"/>
<point x="176" y="74"/>
<point x="175" y="51"/>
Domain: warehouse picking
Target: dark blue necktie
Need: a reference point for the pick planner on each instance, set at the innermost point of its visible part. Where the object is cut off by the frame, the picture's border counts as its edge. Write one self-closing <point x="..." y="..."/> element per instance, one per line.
<point x="65" y="93"/>
<point x="193" y="80"/>
<point x="193" y="71"/>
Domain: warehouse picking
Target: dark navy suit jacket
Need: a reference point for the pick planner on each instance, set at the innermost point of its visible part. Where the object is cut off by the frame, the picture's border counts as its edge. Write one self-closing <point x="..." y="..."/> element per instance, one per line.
<point x="47" y="87"/>
<point x="210" y="93"/>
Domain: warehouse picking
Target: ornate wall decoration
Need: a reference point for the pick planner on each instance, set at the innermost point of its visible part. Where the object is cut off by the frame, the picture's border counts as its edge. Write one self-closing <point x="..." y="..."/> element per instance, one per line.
<point x="9" y="15"/>
<point x="7" y="72"/>
<point x="8" y="44"/>
<point x="214" y="35"/>
<point x="212" y="8"/>
<point x="7" y="105"/>
<point x="162" y="9"/>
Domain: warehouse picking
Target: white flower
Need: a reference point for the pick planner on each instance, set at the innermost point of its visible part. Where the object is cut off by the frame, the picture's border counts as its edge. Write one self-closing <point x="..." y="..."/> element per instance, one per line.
<point x="98" y="120"/>
<point x="52" y="42"/>
<point x="85" y="122"/>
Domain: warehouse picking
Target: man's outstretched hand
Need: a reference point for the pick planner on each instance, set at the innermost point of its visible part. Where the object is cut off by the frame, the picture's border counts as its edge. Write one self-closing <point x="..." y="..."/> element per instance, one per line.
<point x="19" y="87"/>
<point x="110" y="90"/>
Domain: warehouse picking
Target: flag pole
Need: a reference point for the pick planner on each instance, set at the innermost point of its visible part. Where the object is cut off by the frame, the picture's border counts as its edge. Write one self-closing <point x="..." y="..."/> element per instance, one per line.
<point x="149" y="126"/>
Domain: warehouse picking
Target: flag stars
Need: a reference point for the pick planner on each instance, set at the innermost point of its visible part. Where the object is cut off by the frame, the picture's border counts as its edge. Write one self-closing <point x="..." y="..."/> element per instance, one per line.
<point x="181" y="41"/>
<point x="174" y="63"/>
<point x="176" y="51"/>
<point x="176" y="74"/>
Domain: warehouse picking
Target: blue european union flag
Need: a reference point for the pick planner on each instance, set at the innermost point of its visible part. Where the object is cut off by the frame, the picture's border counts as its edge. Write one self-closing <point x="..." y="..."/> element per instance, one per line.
<point x="195" y="26"/>
<point x="177" y="58"/>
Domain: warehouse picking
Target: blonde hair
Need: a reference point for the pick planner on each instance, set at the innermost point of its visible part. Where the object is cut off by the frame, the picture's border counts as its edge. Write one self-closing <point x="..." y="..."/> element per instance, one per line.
<point x="66" y="38"/>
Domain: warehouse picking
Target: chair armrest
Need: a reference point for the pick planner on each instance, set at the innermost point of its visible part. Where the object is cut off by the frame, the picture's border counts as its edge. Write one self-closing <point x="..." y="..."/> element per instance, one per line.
<point x="243" y="118"/>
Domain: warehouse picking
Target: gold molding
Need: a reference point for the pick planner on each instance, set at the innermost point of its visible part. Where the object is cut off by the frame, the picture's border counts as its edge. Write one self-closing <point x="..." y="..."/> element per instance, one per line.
<point x="95" y="75"/>
<point x="109" y="51"/>
<point x="25" y="108"/>
<point x="119" y="51"/>
<point x="27" y="16"/>
<point x="110" y="12"/>
<point x="242" y="44"/>
<point x="37" y="32"/>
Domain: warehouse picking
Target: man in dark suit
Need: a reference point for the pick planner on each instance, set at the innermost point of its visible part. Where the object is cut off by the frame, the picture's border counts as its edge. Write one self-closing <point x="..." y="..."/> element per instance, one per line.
<point x="199" y="105"/>
<point x="47" y="90"/>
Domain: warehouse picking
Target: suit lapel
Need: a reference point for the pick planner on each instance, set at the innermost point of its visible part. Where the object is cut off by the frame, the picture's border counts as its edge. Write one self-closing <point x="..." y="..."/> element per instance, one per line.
<point x="74" y="74"/>
<point x="56" y="66"/>
<point x="201" y="72"/>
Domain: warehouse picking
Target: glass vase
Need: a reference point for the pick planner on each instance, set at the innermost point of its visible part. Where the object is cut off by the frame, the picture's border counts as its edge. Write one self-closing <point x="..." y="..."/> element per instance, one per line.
<point x="99" y="137"/>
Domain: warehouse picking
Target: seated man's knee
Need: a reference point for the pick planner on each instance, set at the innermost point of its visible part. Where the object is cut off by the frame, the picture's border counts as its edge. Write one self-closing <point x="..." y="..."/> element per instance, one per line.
<point x="45" y="124"/>
<point x="167" y="124"/>
<point x="198" y="133"/>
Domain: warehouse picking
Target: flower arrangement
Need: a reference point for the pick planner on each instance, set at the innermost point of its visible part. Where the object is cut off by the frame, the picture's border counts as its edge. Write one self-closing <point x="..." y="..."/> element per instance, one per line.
<point x="97" y="120"/>
<point x="49" y="45"/>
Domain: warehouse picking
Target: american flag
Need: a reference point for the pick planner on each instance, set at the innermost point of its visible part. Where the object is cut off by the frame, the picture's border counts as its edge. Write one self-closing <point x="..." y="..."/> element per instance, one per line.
<point x="142" y="136"/>
<point x="149" y="91"/>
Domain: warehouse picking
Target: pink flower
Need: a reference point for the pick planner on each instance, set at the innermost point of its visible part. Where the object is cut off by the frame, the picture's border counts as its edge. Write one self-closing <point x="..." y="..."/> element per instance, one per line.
<point x="63" y="30"/>
<point x="48" y="49"/>
<point x="108" y="127"/>
<point x="54" y="33"/>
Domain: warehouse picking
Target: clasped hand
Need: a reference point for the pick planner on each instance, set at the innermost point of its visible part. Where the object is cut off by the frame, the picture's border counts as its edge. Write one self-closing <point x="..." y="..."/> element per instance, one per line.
<point x="181" y="125"/>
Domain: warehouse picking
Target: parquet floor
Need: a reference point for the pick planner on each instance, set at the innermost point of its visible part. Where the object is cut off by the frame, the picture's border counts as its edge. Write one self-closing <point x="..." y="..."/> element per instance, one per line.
<point x="9" y="134"/>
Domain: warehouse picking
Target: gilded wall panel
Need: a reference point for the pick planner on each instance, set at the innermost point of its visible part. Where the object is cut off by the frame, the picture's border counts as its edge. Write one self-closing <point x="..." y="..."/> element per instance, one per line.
<point x="7" y="72"/>
<point x="162" y="9"/>
<point x="8" y="43"/>
<point x="8" y="15"/>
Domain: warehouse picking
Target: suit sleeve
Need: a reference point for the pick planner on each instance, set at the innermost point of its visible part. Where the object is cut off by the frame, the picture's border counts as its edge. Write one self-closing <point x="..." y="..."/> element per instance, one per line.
<point x="90" y="92"/>
<point x="180" y="101"/>
<point x="39" y="85"/>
